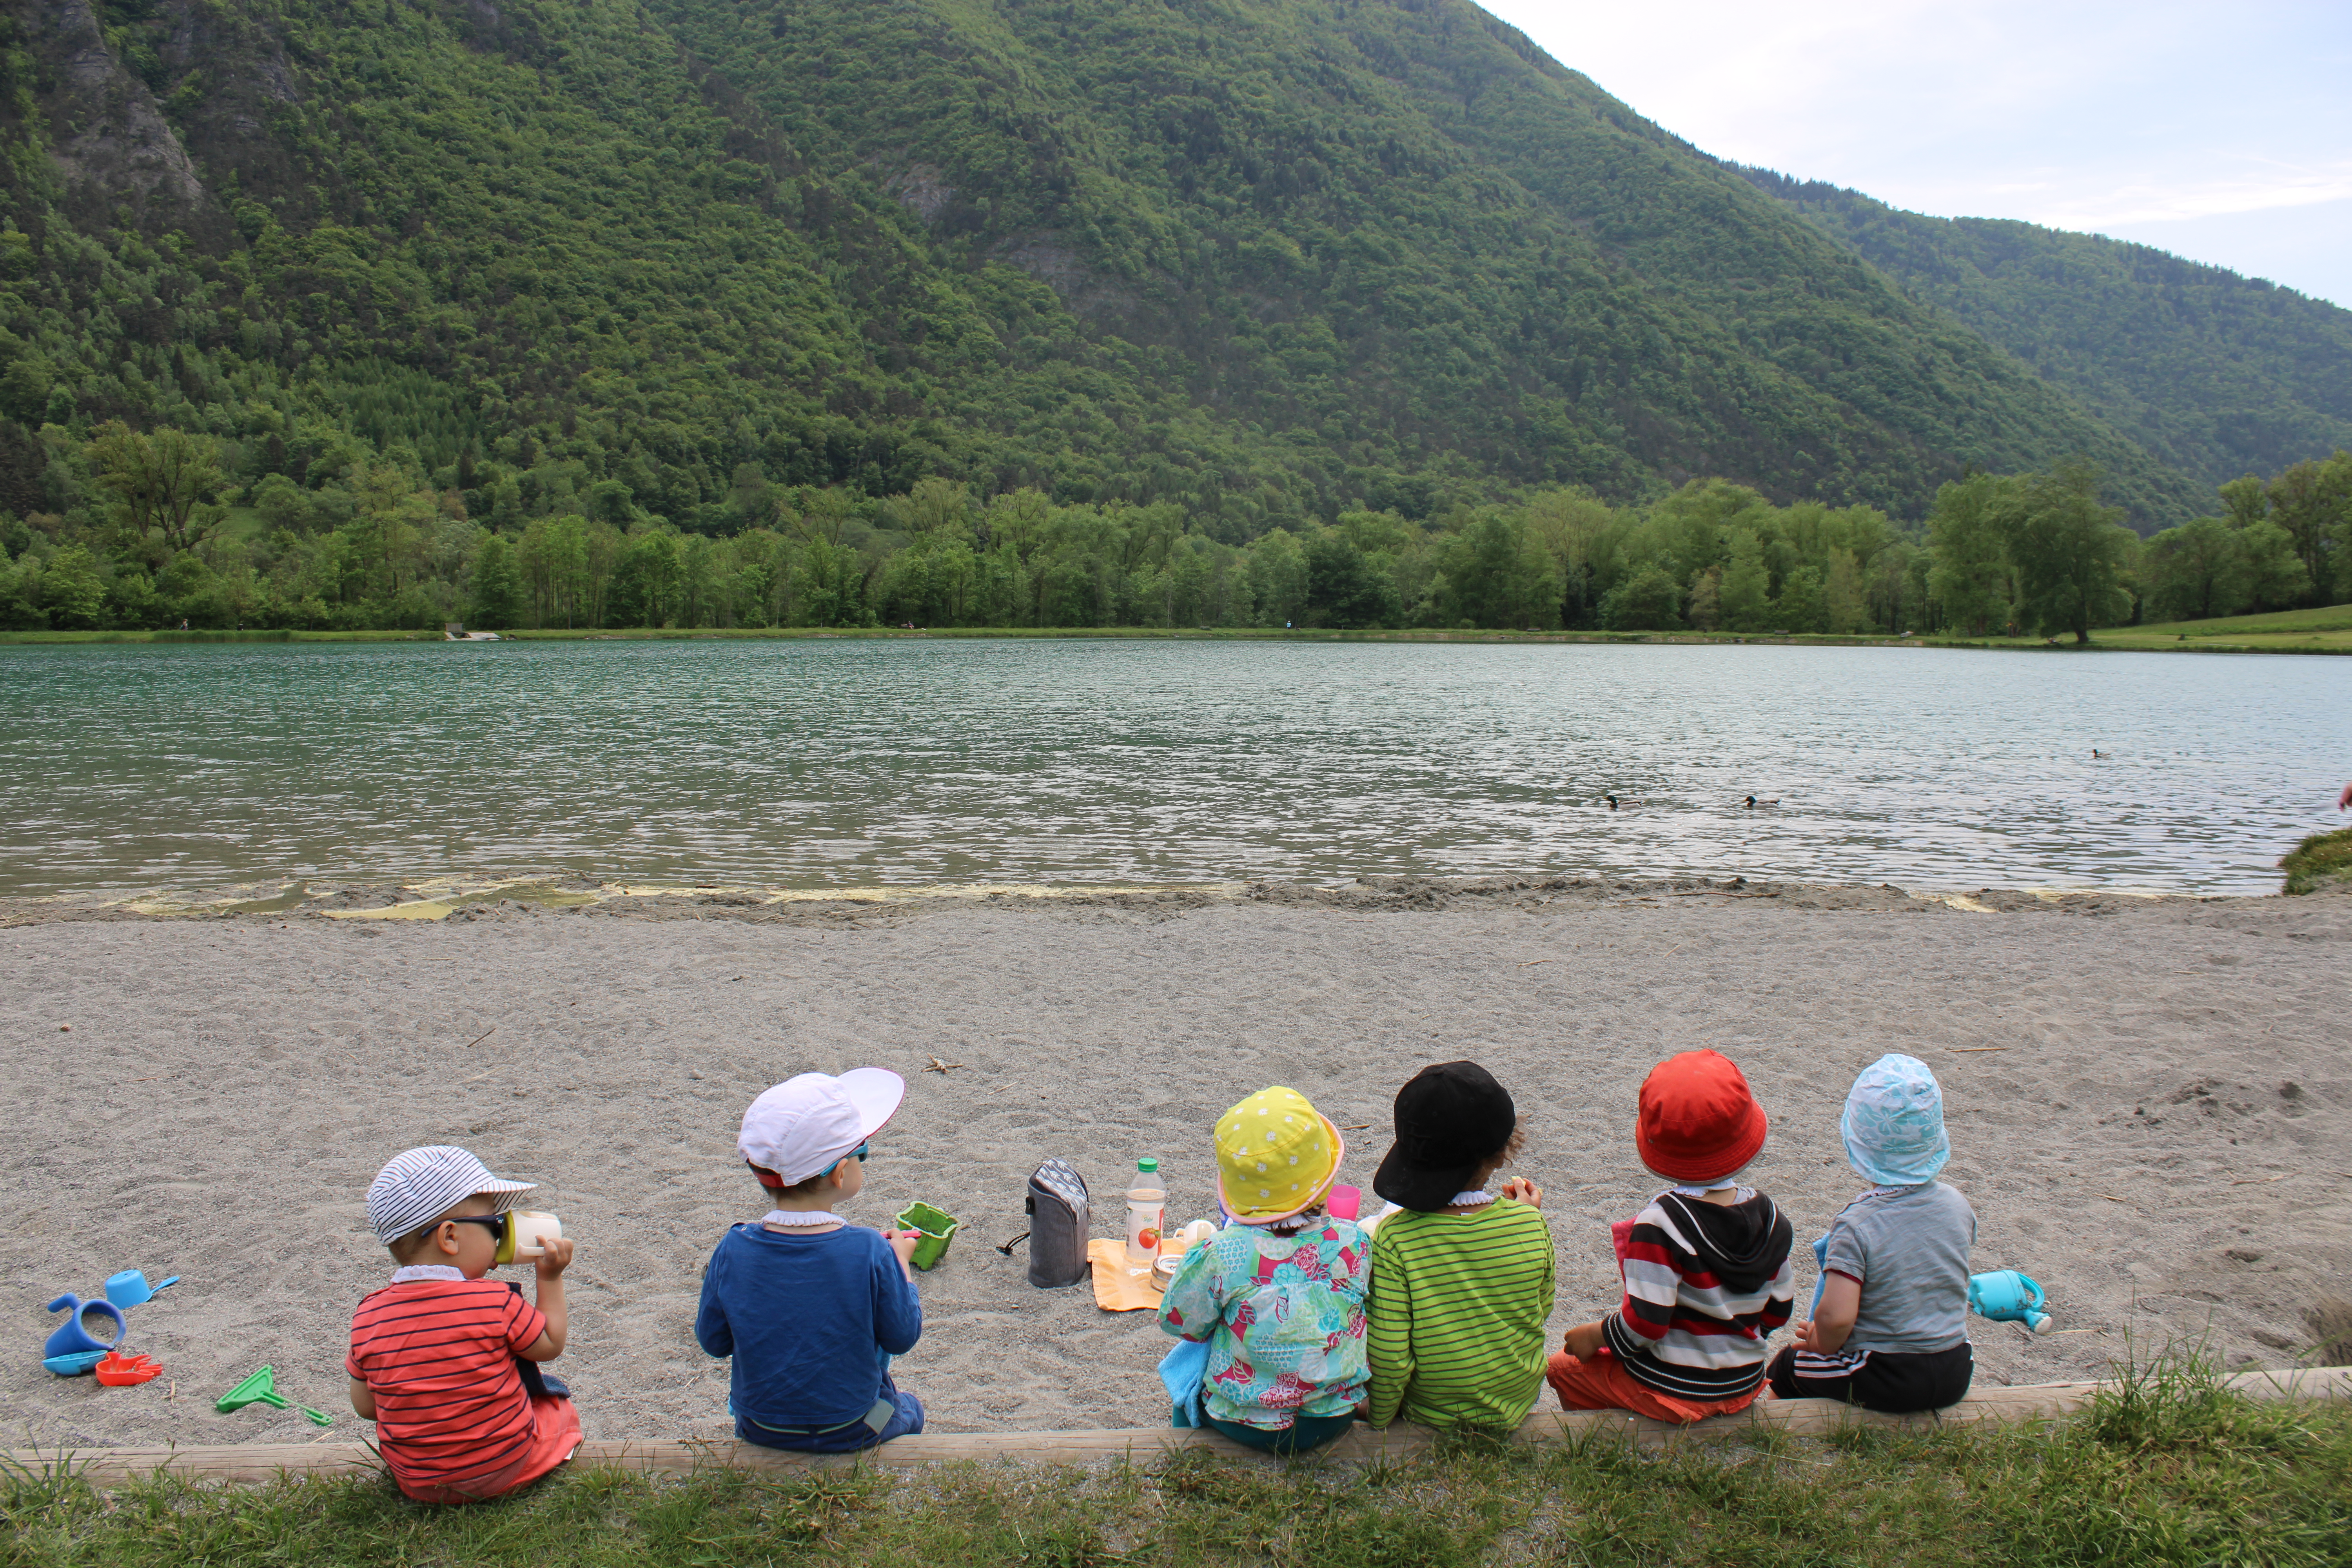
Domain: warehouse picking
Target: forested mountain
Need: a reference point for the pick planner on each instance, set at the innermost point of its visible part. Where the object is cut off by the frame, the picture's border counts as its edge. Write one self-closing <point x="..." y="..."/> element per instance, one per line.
<point x="2214" y="374"/>
<point x="1264" y="260"/>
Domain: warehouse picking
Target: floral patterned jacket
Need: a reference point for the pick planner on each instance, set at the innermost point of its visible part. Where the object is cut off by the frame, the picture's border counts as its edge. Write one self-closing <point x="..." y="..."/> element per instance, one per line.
<point x="1283" y="1317"/>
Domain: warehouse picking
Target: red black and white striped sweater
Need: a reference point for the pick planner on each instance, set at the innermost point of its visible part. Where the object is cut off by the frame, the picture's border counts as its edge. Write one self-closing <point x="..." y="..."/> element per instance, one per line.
<point x="1706" y="1284"/>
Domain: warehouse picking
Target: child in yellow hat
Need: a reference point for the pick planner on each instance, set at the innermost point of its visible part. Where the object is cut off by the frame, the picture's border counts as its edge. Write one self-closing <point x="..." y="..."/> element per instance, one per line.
<point x="1278" y="1295"/>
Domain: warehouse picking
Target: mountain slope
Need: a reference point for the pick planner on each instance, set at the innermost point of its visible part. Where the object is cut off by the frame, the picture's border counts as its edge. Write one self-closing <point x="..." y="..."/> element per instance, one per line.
<point x="1263" y="259"/>
<point x="2215" y="374"/>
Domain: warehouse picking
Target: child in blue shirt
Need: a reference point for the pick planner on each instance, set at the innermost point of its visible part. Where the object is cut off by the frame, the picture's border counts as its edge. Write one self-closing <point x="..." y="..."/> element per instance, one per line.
<point x="810" y="1308"/>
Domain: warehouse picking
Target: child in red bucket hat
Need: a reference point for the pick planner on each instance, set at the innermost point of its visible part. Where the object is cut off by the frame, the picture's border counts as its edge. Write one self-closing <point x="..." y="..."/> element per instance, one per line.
<point x="1704" y="1266"/>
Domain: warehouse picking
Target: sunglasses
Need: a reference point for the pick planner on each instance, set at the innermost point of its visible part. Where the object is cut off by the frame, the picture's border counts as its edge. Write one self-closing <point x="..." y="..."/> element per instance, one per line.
<point x="501" y="1228"/>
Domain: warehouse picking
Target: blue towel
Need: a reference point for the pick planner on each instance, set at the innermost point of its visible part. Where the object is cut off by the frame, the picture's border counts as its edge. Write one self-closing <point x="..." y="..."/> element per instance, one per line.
<point x="1820" y="1265"/>
<point x="1184" y="1370"/>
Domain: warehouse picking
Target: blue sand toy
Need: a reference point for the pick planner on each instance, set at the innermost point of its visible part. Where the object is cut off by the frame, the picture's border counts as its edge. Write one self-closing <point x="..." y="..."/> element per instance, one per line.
<point x="130" y="1288"/>
<point x="2008" y="1297"/>
<point x="72" y="1350"/>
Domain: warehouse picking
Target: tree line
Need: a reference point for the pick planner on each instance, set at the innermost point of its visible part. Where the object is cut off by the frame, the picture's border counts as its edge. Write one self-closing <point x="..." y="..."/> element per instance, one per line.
<point x="156" y="532"/>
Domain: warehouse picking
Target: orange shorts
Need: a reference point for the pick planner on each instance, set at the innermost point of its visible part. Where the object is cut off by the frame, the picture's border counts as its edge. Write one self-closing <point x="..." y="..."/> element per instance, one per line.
<point x="1604" y="1383"/>
<point x="558" y="1434"/>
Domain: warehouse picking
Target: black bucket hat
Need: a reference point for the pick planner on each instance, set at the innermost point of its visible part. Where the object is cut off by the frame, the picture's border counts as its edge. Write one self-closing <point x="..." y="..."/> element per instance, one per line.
<point x="1451" y="1119"/>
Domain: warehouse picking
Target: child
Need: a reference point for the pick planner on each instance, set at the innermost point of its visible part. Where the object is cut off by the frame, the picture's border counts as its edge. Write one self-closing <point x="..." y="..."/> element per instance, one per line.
<point x="433" y="1358"/>
<point x="1889" y="1331"/>
<point x="1277" y="1295"/>
<point x="1462" y="1275"/>
<point x="1704" y="1266"/>
<point x="811" y="1308"/>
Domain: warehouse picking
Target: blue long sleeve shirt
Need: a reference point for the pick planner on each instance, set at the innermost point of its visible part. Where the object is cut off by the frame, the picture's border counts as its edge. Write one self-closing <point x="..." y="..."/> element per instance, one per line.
<point x="810" y="1319"/>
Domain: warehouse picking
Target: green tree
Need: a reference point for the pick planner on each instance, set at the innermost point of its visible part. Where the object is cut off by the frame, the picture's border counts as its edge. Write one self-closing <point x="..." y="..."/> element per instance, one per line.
<point x="1846" y="608"/>
<point x="2312" y="502"/>
<point x="1967" y="533"/>
<point x="1496" y="573"/>
<point x="647" y="581"/>
<point x="2199" y="570"/>
<point x="829" y="588"/>
<point x="1277" y="578"/>
<point x="1649" y="600"/>
<point x="497" y="602"/>
<point x="1346" y="588"/>
<point x="1745" y="600"/>
<point x="167" y="483"/>
<point x="1803" y="603"/>
<point x="73" y="589"/>
<point x="2275" y="574"/>
<point x="24" y="389"/>
<point x="2073" y="555"/>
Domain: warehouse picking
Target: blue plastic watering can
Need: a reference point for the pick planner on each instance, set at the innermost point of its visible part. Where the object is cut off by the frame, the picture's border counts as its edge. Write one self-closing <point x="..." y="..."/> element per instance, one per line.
<point x="2006" y="1296"/>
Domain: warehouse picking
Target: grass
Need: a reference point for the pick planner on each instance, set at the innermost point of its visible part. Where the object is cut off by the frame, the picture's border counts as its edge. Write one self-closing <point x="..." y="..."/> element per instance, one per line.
<point x="2318" y="861"/>
<point x="2326" y="619"/>
<point x="2171" y="1468"/>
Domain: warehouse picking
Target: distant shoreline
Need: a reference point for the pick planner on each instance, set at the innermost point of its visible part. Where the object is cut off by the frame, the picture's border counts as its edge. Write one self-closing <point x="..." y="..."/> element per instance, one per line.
<point x="2118" y="639"/>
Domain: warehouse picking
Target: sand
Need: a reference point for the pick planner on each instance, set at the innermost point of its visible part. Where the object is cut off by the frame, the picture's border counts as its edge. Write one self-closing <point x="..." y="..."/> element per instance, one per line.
<point x="2150" y="1103"/>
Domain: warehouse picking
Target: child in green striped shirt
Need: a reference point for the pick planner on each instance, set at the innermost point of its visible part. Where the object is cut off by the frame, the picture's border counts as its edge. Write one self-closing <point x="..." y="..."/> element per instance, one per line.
<point x="1462" y="1275"/>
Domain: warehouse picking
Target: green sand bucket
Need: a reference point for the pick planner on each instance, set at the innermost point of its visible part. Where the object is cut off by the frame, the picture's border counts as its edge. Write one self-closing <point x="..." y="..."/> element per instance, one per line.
<point x="938" y="1228"/>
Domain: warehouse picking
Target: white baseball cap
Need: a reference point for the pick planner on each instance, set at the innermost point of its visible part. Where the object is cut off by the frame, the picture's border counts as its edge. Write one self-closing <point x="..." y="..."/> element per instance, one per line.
<point x="422" y="1185"/>
<point x="806" y="1125"/>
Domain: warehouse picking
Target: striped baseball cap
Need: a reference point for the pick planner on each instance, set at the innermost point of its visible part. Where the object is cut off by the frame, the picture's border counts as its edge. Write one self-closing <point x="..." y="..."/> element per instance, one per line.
<point x="422" y="1185"/>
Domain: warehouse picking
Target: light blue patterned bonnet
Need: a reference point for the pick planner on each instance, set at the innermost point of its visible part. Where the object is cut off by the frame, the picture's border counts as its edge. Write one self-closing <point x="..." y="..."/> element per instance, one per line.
<point x="1894" y="1122"/>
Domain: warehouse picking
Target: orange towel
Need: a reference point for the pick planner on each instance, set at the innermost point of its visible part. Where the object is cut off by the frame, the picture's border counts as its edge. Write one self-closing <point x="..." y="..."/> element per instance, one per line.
<point x="1116" y="1290"/>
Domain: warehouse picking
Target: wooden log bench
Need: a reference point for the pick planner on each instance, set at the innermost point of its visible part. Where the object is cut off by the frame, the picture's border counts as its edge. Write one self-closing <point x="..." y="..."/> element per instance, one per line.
<point x="258" y="1462"/>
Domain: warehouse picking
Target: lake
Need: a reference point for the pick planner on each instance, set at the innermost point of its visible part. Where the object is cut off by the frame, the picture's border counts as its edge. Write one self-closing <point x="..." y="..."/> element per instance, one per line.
<point x="859" y="762"/>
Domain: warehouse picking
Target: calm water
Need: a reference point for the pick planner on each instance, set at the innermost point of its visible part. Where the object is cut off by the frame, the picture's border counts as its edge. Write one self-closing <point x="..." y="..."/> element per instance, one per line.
<point x="853" y="762"/>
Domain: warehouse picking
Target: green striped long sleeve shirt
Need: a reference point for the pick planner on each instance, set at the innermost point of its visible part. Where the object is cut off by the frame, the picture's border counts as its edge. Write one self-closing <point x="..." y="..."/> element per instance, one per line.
<point x="1458" y="1312"/>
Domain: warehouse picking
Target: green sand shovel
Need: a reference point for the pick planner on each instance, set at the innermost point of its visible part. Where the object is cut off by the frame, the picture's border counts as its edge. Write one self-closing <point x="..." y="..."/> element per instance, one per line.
<point x="261" y="1388"/>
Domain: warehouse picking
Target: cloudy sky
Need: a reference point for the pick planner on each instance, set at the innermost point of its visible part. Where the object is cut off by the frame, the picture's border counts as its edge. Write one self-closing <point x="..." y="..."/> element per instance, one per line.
<point x="2221" y="132"/>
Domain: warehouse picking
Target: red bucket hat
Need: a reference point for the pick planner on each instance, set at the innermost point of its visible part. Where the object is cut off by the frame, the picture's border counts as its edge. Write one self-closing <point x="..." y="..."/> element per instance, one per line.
<point x="1698" y="1122"/>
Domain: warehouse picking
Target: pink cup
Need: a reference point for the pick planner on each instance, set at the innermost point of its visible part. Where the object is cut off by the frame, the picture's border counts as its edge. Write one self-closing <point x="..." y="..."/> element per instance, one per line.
<point x="1344" y="1201"/>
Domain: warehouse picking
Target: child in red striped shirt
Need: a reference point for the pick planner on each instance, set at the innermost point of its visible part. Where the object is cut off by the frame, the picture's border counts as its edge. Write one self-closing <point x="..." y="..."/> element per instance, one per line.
<point x="434" y="1357"/>
<point x="1705" y="1264"/>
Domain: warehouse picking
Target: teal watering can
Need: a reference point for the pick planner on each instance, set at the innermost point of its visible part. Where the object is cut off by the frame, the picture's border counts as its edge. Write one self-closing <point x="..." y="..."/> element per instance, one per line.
<point x="2006" y="1296"/>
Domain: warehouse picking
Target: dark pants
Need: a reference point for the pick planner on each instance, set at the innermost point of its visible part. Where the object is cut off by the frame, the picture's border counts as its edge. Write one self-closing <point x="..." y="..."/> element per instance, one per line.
<point x="1304" y="1434"/>
<point x="1893" y="1384"/>
<point x="846" y="1438"/>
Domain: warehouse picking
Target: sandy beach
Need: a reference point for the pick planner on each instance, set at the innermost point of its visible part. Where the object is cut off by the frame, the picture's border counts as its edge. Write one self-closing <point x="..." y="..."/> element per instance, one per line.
<point x="2150" y="1103"/>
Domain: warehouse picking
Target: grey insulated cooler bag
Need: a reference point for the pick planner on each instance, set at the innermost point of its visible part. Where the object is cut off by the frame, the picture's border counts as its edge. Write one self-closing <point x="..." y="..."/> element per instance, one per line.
<point x="1058" y="1224"/>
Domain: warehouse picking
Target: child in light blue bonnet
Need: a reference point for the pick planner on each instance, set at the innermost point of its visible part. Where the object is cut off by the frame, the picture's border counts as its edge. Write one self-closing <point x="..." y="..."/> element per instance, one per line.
<point x="1889" y="1331"/>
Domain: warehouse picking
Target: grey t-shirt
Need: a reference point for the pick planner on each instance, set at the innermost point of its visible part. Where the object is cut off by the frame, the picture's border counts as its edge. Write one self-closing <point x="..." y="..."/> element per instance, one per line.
<point x="1910" y="1247"/>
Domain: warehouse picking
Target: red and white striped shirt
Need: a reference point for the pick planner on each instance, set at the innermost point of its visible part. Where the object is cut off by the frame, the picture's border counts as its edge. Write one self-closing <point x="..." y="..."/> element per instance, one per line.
<point x="438" y="1356"/>
<point x="1706" y="1284"/>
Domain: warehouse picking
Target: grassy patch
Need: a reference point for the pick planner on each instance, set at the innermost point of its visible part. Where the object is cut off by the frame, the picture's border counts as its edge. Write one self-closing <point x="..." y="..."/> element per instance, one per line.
<point x="2326" y="619"/>
<point x="2319" y="861"/>
<point x="2171" y="1469"/>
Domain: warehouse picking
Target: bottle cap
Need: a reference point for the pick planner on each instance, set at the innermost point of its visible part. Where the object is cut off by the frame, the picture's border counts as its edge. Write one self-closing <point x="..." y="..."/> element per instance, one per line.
<point x="1149" y="1162"/>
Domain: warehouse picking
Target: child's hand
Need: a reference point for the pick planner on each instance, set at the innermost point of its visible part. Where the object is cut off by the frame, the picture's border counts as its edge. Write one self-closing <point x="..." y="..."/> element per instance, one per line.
<point x="1584" y="1341"/>
<point x="554" y="1257"/>
<point x="1803" y="1329"/>
<point x="1527" y="1192"/>
<point x="902" y="1242"/>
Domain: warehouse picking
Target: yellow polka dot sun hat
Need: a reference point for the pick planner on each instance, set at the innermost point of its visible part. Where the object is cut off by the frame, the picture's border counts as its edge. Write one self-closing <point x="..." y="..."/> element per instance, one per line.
<point x="1276" y="1156"/>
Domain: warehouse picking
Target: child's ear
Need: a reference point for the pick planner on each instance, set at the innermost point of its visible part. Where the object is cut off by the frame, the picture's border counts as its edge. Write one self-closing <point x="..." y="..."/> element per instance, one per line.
<point x="445" y="1236"/>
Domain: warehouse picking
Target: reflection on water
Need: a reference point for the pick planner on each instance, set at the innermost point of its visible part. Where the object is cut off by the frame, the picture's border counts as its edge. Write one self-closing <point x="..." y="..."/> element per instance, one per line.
<point x="854" y="763"/>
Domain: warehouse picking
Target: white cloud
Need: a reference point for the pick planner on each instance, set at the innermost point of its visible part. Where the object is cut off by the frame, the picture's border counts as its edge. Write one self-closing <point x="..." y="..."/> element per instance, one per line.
<point x="2073" y="114"/>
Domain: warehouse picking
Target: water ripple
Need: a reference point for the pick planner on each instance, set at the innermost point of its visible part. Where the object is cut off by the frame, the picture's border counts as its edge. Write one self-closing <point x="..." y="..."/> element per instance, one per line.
<point x="837" y="763"/>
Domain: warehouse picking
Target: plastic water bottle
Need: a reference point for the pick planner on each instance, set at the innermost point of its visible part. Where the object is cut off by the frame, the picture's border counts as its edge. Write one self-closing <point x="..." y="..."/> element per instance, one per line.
<point x="1147" y="1210"/>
